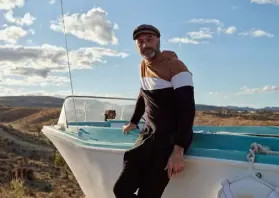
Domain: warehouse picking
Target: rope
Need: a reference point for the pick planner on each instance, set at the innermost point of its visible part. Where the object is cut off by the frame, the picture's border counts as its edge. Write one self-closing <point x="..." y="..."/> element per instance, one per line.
<point x="258" y="148"/>
<point x="68" y="63"/>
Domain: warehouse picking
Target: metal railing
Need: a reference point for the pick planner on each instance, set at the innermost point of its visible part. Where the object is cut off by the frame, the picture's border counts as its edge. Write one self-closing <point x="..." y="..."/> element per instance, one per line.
<point x="102" y="97"/>
<point x="85" y="100"/>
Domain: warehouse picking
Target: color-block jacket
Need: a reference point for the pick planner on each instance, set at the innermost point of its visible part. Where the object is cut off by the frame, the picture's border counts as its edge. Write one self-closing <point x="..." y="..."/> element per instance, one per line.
<point x="167" y="97"/>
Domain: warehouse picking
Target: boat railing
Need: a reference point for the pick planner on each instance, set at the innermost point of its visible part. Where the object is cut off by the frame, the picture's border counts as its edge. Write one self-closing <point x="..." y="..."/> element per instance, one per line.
<point x="101" y="97"/>
<point x="77" y="108"/>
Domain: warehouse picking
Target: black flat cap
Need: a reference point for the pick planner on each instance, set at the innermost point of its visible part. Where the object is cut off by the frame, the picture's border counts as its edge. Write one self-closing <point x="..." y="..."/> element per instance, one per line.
<point x="145" y="28"/>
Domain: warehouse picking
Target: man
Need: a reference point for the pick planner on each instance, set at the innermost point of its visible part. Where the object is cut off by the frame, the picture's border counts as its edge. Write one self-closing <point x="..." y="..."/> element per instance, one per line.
<point x="167" y="97"/>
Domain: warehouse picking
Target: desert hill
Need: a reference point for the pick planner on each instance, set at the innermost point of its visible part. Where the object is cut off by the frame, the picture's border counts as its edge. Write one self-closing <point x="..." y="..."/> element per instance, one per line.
<point x="31" y="101"/>
<point x="54" y="102"/>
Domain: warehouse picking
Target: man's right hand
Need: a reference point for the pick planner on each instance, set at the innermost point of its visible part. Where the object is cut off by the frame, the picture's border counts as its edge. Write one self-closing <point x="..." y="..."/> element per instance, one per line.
<point x="128" y="127"/>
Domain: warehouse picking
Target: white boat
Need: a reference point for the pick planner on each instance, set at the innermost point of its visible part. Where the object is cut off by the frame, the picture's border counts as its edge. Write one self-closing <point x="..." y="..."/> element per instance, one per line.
<point x="218" y="164"/>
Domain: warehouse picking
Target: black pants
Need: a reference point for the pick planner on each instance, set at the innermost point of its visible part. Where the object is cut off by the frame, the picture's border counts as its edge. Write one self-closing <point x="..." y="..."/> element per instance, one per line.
<point x="144" y="169"/>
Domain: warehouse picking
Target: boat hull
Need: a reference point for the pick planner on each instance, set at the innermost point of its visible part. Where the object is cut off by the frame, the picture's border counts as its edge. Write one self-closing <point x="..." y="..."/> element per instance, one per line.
<point x="96" y="170"/>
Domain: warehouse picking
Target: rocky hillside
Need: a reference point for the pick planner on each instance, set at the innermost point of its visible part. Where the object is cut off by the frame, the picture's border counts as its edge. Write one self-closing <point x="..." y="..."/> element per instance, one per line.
<point x="31" y="101"/>
<point x="53" y="102"/>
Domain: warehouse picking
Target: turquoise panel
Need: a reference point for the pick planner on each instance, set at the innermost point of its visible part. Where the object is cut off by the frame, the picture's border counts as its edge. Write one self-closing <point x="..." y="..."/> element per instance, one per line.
<point x="219" y="146"/>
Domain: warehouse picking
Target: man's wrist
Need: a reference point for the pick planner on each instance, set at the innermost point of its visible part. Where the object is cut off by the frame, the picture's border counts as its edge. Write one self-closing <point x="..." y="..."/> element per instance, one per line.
<point x="178" y="150"/>
<point x="132" y="121"/>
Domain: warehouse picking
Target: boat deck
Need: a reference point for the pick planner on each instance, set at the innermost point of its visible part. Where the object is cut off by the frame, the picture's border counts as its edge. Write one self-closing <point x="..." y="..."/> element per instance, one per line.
<point x="229" y="146"/>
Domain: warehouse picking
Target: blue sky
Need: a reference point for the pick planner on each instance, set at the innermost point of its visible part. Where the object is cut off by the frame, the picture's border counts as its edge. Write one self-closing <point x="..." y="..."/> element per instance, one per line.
<point x="231" y="47"/>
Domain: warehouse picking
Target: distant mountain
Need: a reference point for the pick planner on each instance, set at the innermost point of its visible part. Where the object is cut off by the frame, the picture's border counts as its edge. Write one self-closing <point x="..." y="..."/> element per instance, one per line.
<point x="241" y="108"/>
<point x="271" y="108"/>
<point x="31" y="101"/>
<point x="235" y="108"/>
<point x="54" y="102"/>
<point x="201" y="107"/>
<point x="252" y="109"/>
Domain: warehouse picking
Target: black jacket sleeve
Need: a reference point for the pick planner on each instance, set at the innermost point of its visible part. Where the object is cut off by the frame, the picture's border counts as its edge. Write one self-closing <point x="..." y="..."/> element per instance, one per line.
<point x="139" y="109"/>
<point x="184" y="103"/>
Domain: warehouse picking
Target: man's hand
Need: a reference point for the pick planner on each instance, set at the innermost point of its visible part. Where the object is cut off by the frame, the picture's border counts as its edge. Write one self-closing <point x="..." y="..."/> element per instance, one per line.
<point x="128" y="127"/>
<point x="176" y="161"/>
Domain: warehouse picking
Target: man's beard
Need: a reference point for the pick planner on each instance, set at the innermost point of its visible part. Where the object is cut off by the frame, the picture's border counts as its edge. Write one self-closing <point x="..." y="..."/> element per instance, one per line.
<point x="149" y="55"/>
<point x="152" y="54"/>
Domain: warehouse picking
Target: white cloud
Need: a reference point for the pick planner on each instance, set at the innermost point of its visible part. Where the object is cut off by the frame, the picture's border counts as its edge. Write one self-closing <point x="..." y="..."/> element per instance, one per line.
<point x="230" y="30"/>
<point x="256" y="33"/>
<point x="29" y="71"/>
<point x="62" y="93"/>
<point x="31" y="31"/>
<point x="23" y="91"/>
<point x="222" y="29"/>
<point x="218" y="94"/>
<point x="217" y="22"/>
<point x="245" y="90"/>
<point x="41" y="60"/>
<point x="52" y="2"/>
<point x="205" y="21"/>
<point x="214" y="93"/>
<point x="203" y="33"/>
<point x="35" y="80"/>
<point x="183" y="40"/>
<point x="10" y="4"/>
<point x="92" y="26"/>
<point x="194" y="37"/>
<point x="27" y="19"/>
<point x="12" y="33"/>
<point x="274" y="2"/>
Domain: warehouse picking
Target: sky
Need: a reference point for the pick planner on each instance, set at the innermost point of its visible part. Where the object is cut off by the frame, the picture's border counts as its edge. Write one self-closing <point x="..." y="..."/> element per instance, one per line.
<point x="231" y="47"/>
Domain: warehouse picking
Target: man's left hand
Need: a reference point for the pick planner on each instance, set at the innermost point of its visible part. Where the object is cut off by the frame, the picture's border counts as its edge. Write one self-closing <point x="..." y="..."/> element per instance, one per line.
<point x="176" y="161"/>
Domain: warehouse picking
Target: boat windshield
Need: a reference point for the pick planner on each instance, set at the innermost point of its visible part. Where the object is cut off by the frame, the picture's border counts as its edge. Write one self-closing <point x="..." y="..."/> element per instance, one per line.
<point x="93" y="109"/>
